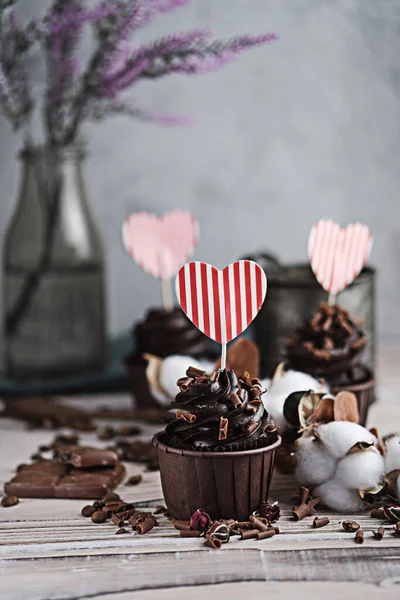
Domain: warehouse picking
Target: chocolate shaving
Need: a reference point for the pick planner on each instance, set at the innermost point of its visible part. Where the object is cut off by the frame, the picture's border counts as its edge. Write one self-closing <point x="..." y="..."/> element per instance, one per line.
<point x="236" y="401"/>
<point x="146" y="525"/>
<point x="304" y="494"/>
<point x="378" y="535"/>
<point x="213" y="542"/>
<point x="223" y="428"/>
<point x="378" y="513"/>
<point x="305" y="510"/>
<point x="184" y="383"/>
<point x="181" y="525"/>
<point x="249" y="534"/>
<point x="121" y="530"/>
<point x="189" y="533"/>
<point x="185" y="416"/>
<point x="263" y="535"/>
<point x="320" y="522"/>
<point x="193" y="372"/>
<point x="359" y="537"/>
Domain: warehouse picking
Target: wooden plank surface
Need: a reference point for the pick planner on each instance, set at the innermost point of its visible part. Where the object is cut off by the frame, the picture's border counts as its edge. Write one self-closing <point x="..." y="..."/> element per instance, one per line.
<point x="48" y="548"/>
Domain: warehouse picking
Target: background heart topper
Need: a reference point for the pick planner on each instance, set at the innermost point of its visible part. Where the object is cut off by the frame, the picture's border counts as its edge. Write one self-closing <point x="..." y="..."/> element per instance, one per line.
<point x="161" y="245"/>
<point x="337" y="255"/>
<point x="222" y="304"/>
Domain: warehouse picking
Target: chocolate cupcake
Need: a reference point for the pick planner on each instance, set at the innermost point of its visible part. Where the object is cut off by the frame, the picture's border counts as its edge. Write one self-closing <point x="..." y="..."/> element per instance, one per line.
<point x="162" y="333"/>
<point x="218" y="452"/>
<point x="331" y="345"/>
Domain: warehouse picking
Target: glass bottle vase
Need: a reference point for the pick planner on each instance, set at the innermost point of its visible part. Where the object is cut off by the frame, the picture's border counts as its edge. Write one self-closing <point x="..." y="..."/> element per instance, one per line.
<point x="53" y="272"/>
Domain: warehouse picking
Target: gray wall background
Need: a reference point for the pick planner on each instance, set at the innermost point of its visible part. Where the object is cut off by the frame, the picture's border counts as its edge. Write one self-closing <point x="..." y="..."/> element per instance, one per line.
<point x="303" y="128"/>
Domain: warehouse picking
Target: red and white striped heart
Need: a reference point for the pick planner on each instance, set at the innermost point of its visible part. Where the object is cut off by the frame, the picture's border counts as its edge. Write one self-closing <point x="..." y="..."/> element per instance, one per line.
<point x="160" y="245"/>
<point x="222" y="304"/>
<point x="337" y="255"/>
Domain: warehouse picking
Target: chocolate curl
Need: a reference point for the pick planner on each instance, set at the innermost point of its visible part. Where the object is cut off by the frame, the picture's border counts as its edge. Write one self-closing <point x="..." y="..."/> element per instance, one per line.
<point x="304" y="494"/>
<point x="359" y="537"/>
<point x="184" y="383"/>
<point x="275" y="529"/>
<point x="396" y="529"/>
<point x="181" y="525"/>
<point x="189" y="533"/>
<point x="378" y="513"/>
<point x="185" y="416"/>
<point x="145" y="526"/>
<point x="223" y="429"/>
<point x="378" y="535"/>
<point x="322" y="522"/>
<point x="236" y="401"/>
<point x="249" y="534"/>
<point x="264" y="535"/>
<point x="213" y="542"/>
<point x="244" y="525"/>
<point x="305" y="510"/>
<point x="116" y="519"/>
<point x="160" y="510"/>
<point x="258" y="524"/>
<point x="250" y="427"/>
<point x="194" y="373"/>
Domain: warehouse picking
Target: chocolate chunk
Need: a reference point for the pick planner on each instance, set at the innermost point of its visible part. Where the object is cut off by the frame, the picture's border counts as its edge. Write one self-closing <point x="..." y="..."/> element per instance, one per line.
<point x="134" y="480"/>
<point x="98" y="517"/>
<point x="84" y="457"/>
<point x="46" y="412"/>
<point x="52" y="479"/>
<point x="88" y="510"/>
<point x="8" y="500"/>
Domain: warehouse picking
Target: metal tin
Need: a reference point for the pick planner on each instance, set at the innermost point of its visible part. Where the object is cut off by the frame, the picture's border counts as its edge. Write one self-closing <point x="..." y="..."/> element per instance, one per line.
<point x="293" y="295"/>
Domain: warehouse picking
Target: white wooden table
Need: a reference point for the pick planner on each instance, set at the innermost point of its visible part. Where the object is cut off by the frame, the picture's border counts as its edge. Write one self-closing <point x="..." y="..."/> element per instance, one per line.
<point x="48" y="551"/>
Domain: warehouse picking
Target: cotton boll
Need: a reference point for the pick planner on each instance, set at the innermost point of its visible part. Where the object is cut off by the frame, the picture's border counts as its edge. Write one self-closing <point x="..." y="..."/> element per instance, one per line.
<point x="173" y="368"/>
<point x="314" y="465"/>
<point x="339" y="436"/>
<point x="392" y="458"/>
<point x="338" y="497"/>
<point x="274" y="405"/>
<point x="293" y="381"/>
<point x="361" y="470"/>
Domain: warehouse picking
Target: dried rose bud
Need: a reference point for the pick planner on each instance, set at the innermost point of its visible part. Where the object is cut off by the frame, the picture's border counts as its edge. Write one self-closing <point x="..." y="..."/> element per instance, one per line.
<point x="200" y="520"/>
<point x="392" y="512"/>
<point x="272" y="512"/>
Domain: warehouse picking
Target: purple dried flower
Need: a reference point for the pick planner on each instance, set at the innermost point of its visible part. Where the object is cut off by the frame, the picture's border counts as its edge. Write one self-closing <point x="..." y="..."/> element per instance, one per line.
<point x="200" y="520"/>
<point x="272" y="512"/>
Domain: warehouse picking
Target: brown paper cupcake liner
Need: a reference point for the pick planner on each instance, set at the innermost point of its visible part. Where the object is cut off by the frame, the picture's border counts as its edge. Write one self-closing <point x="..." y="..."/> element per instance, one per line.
<point x="225" y="484"/>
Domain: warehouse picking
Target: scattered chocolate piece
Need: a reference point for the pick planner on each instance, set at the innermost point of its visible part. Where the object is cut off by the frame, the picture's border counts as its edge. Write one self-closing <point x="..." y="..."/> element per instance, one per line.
<point x="121" y="530"/>
<point x="350" y="526"/>
<point x="305" y="510"/>
<point x="185" y="416"/>
<point x="213" y="542"/>
<point x="396" y="529"/>
<point x="98" y="517"/>
<point x="359" y="537"/>
<point x="117" y="520"/>
<point x="181" y="525"/>
<point x="189" y="533"/>
<point x="378" y="535"/>
<point x="107" y="512"/>
<point x="146" y="525"/>
<point x="85" y="457"/>
<point x="258" y="524"/>
<point x="304" y="494"/>
<point x="249" y="534"/>
<point x="378" y="513"/>
<point x="276" y="530"/>
<point x="87" y="511"/>
<point x="200" y="520"/>
<point x="223" y="428"/>
<point x="264" y="535"/>
<point x="320" y="522"/>
<point x="192" y="372"/>
<point x="134" y="480"/>
<point x="160" y="510"/>
<point x="45" y="412"/>
<point x="9" y="500"/>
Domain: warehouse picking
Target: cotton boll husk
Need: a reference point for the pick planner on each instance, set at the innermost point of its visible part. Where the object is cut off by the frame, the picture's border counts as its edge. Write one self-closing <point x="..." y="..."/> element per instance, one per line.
<point x="392" y="457"/>
<point x="361" y="470"/>
<point x="339" y="436"/>
<point x="338" y="497"/>
<point x="314" y="465"/>
<point x="282" y="387"/>
<point x="173" y="368"/>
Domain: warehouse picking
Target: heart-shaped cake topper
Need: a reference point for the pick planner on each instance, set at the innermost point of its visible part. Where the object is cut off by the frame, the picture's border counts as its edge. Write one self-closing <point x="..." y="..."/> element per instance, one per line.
<point x="161" y="245"/>
<point x="222" y="304"/>
<point x="337" y="255"/>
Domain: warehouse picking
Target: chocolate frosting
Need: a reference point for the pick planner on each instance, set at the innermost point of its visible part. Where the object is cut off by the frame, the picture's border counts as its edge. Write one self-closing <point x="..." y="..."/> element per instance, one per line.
<point x="164" y="333"/>
<point x="219" y="413"/>
<point x="327" y="344"/>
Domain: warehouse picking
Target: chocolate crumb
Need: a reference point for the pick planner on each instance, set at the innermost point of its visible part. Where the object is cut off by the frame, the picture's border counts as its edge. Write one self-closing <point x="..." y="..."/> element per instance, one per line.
<point x="8" y="501"/>
<point x="88" y="511"/>
<point x="98" y="517"/>
<point x="134" y="480"/>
